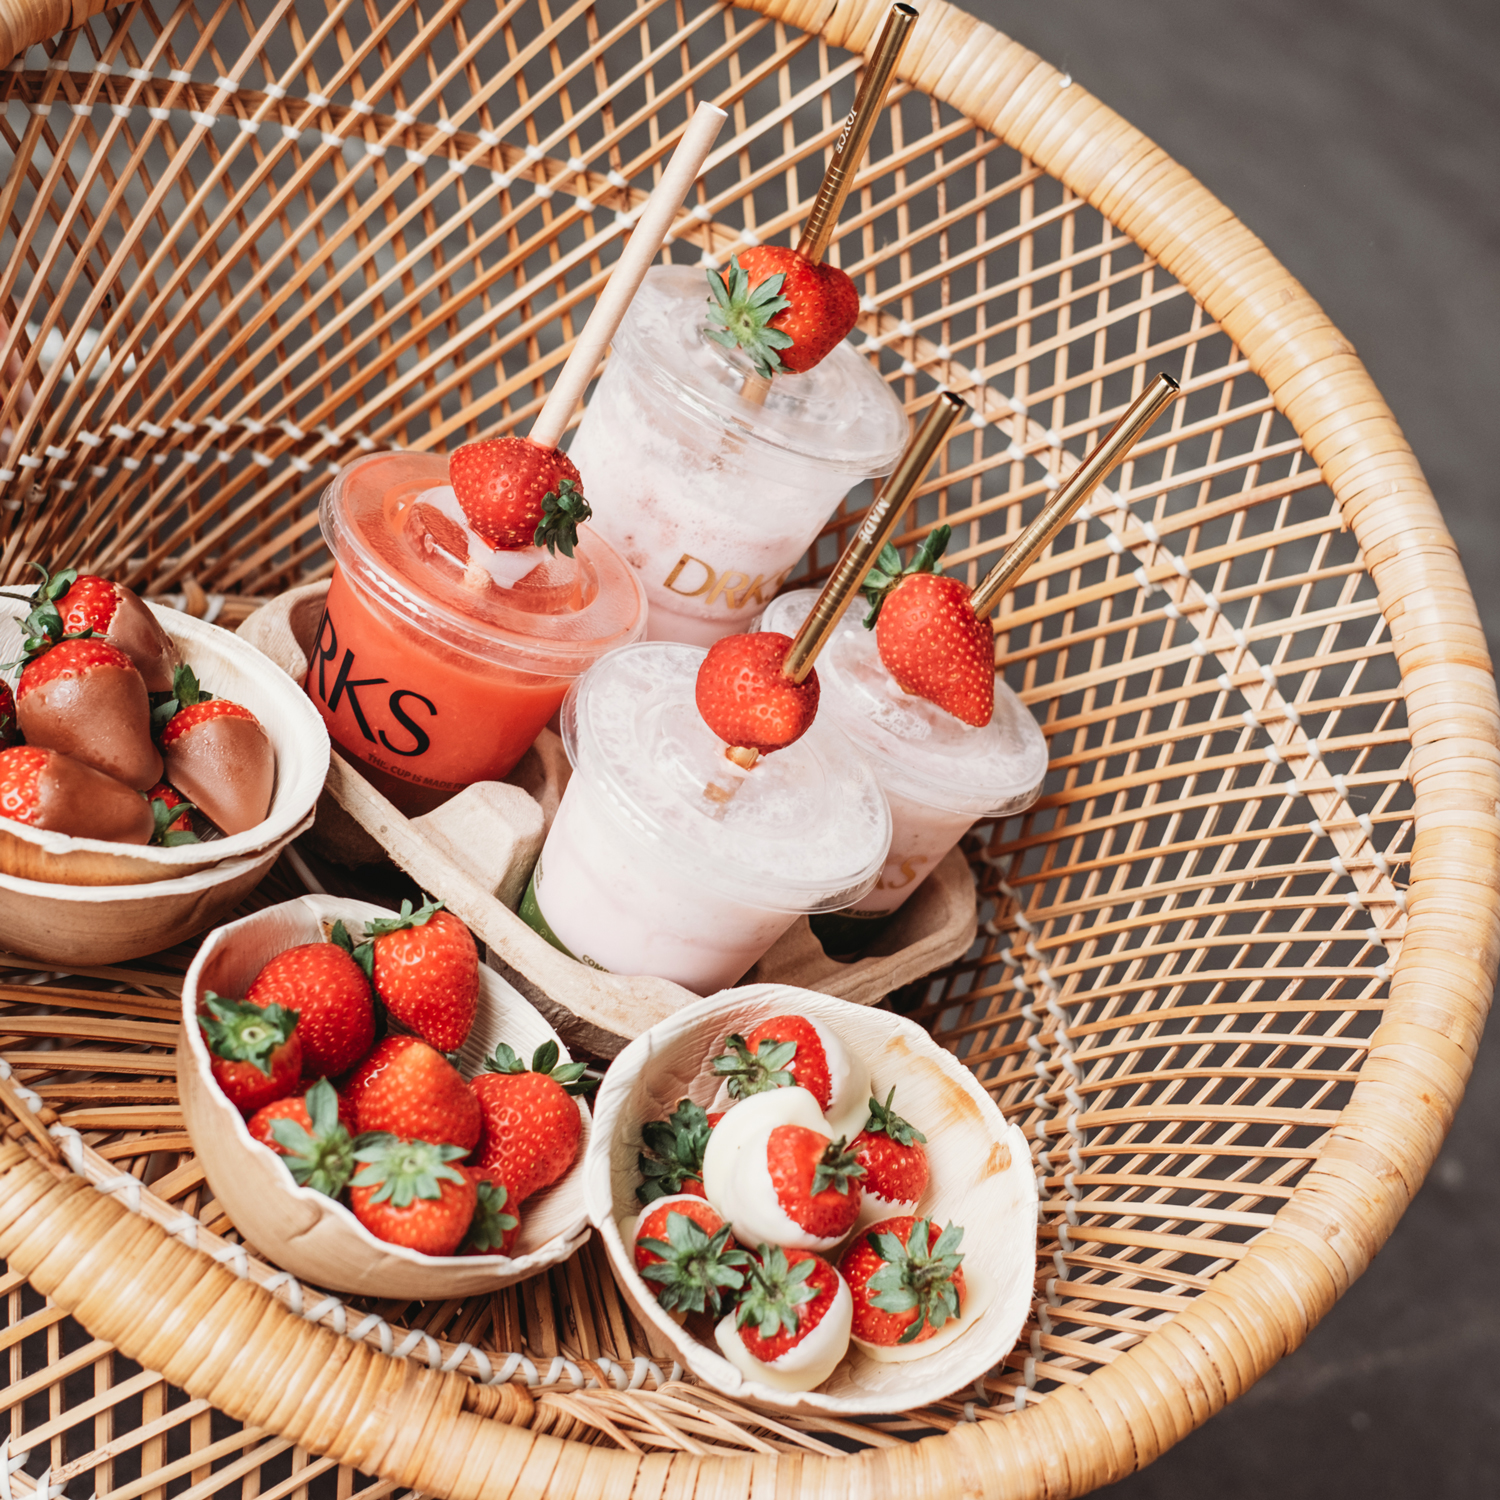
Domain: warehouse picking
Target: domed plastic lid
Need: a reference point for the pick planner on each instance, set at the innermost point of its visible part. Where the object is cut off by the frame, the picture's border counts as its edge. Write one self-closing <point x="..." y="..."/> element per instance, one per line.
<point x="917" y="748"/>
<point x="395" y="527"/>
<point x="840" y="413"/>
<point x="806" y="830"/>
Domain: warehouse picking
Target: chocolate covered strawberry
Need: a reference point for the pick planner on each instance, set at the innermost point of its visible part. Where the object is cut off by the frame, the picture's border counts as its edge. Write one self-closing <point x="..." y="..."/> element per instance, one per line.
<point x="671" y="1155"/>
<point x="406" y="1088"/>
<point x="784" y="311"/>
<point x="782" y="1050"/>
<point x="516" y="493"/>
<point x="84" y="697"/>
<point x="906" y="1278"/>
<point x="929" y="637"/>
<point x="777" y="1176"/>
<point x="413" y="1193"/>
<point x="424" y="965"/>
<point x="10" y="730"/>
<point x="747" y="700"/>
<point x="495" y="1226"/>
<point x="896" y="1171"/>
<point x="255" y="1052"/>
<point x="791" y="1327"/>
<point x="76" y="604"/>
<point x="311" y="1131"/>
<point x="686" y="1253"/>
<point x="531" y="1122"/>
<point x="218" y="754"/>
<point x="44" y="789"/>
<point x="330" y="992"/>
<point x="172" y="814"/>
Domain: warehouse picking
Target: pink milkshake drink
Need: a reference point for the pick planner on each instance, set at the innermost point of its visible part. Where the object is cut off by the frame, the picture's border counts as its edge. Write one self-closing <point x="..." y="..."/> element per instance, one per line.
<point x="940" y="775"/>
<point x="710" y="498"/>
<point x="665" y="858"/>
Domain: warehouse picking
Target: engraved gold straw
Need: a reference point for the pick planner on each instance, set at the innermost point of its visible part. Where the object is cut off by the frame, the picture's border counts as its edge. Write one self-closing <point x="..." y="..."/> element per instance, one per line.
<point x="874" y="532"/>
<point x="849" y="149"/>
<point x="1080" y="484"/>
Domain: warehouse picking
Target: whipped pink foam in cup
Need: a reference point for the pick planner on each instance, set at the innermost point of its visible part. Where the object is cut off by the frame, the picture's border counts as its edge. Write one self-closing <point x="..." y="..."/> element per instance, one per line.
<point x="665" y="858"/>
<point x="940" y="775"/>
<point x="712" y="499"/>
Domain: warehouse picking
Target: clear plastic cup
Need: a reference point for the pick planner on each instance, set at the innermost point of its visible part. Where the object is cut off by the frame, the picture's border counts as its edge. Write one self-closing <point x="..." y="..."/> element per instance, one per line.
<point x="665" y="858"/>
<point x="710" y="498"/>
<point x="940" y="775"/>
<point x="437" y="660"/>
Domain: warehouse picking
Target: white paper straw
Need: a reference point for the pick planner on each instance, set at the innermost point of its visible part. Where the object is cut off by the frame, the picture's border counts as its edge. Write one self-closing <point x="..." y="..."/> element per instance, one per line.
<point x="640" y="250"/>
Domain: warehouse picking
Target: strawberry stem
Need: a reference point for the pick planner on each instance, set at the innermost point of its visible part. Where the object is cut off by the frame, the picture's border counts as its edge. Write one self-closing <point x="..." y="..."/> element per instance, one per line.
<point x="695" y="1268"/>
<point x="743" y="314"/>
<point x="887" y="573"/>
<point x="563" y="512"/>
<point x="322" y="1159"/>
<point x="238" y="1031"/>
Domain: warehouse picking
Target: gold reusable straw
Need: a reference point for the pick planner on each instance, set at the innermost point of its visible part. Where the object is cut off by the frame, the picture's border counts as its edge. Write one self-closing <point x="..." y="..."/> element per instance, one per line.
<point x="849" y="149"/>
<point x="874" y="532"/>
<point x="1079" y="485"/>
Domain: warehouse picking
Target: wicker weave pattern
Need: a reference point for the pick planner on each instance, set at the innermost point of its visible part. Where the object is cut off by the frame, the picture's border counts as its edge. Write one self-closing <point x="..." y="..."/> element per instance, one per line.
<point x="1236" y="960"/>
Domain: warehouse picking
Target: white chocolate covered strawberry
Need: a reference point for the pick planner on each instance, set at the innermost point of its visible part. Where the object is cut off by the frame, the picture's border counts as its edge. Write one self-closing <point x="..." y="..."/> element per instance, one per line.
<point x="778" y="1177"/>
<point x="685" y="1252"/>
<point x="782" y="1050"/>
<point x="791" y="1327"/>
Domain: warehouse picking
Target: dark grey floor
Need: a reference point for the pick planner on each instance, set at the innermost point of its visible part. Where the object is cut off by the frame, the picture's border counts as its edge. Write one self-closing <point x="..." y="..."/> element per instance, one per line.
<point x="1361" y="140"/>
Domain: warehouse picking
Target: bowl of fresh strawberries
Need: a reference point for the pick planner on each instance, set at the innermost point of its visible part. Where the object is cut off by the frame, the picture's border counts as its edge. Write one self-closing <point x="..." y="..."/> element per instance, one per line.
<point x="819" y="1207"/>
<point x="376" y="1111"/>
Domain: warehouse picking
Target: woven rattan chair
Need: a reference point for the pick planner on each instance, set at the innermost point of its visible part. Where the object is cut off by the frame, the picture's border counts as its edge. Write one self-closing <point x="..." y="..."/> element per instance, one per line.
<point x="1233" y="966"/>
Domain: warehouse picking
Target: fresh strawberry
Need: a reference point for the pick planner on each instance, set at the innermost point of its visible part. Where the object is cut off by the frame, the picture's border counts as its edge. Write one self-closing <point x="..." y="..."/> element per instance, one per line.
<point x="906" y="1280"/>
<point x="406" y="1088"/>
<point x="412" y="1193"/>
<point x="424" y="965"/>
<point x="46" y="790"/>
<point x="890" y="1151"/>
<point x="785" y="311"/>
<point x="70" y="603"/>
<point x="312" y="1132"/>
<point x="816" y="1181"/>
<point x="793" y="1316"/>
<point x="684" y="1248"/>
<point x="256" y="1050"/>
<point x="173" y="815"/>
<point x="84" y="697"/>
<point x="10" y="730"/>
<point x="516" y="493"/>
<point x="218" y="753"/>
<point x="330" y="990"/>
<point x="672" y="1159"/>
<point x="746" y="699"/>
<point x="929" y="637"/>
<point x="495" y="1226"/>
<point x="531" y="1122"/>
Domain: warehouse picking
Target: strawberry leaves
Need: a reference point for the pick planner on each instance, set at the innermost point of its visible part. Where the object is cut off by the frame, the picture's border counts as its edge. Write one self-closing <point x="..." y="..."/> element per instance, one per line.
<point x="695" y="1268"/>
<point x="323" y="1158"/>
<point x="545" y="1060"/>
<point x="774" y="1292"/>
<point x="564" y="510"/>
<point x="916" y="1277"/>
<point x="402" y="1171"/>
<point x="837" y="1168"/>
<point x="673" y="1151"/>
<point x="888" y="572"/>
<point x="164" y="814"/>
<point x="753" y="1073"/>
<point x="238" y="1031"/>
<point x="490" y="1224"/>
<point x="740" y="316"/>
<point x="885" y="1121"/>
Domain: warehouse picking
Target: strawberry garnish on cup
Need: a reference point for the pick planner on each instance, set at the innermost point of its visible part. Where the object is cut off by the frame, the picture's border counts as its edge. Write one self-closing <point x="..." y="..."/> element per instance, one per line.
<point x="425" y="966"/>
<point x="80" y="604"/>
<point x="255" y="1051"/>
<point x="791" y="1327"/>
<point x="683" y="1247"/>
<point x="929" y="637"/>
<point x="413" y="1193"/>
<point x="494" y="1227"/>
<point x="671" y="1155"/>
<point x="784" y="311"/>
<point x="517" y="493"/>
<point x="218" y="753"/>
<point x="749" y="700"/>
<point x="896" y="1171"/>
<point x="44" y="789"/>
<point x="531" y="1125"/>
<point x="906" y="1278"/>
<point x="311" y="1131"/>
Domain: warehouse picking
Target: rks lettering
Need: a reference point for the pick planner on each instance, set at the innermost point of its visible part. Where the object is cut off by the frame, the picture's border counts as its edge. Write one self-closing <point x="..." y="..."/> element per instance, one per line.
<point x="400" y="703"/>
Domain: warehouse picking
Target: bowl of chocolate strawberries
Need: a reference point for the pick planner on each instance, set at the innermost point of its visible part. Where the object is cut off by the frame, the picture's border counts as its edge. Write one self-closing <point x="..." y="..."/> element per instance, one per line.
<point x="152" y="766"/>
